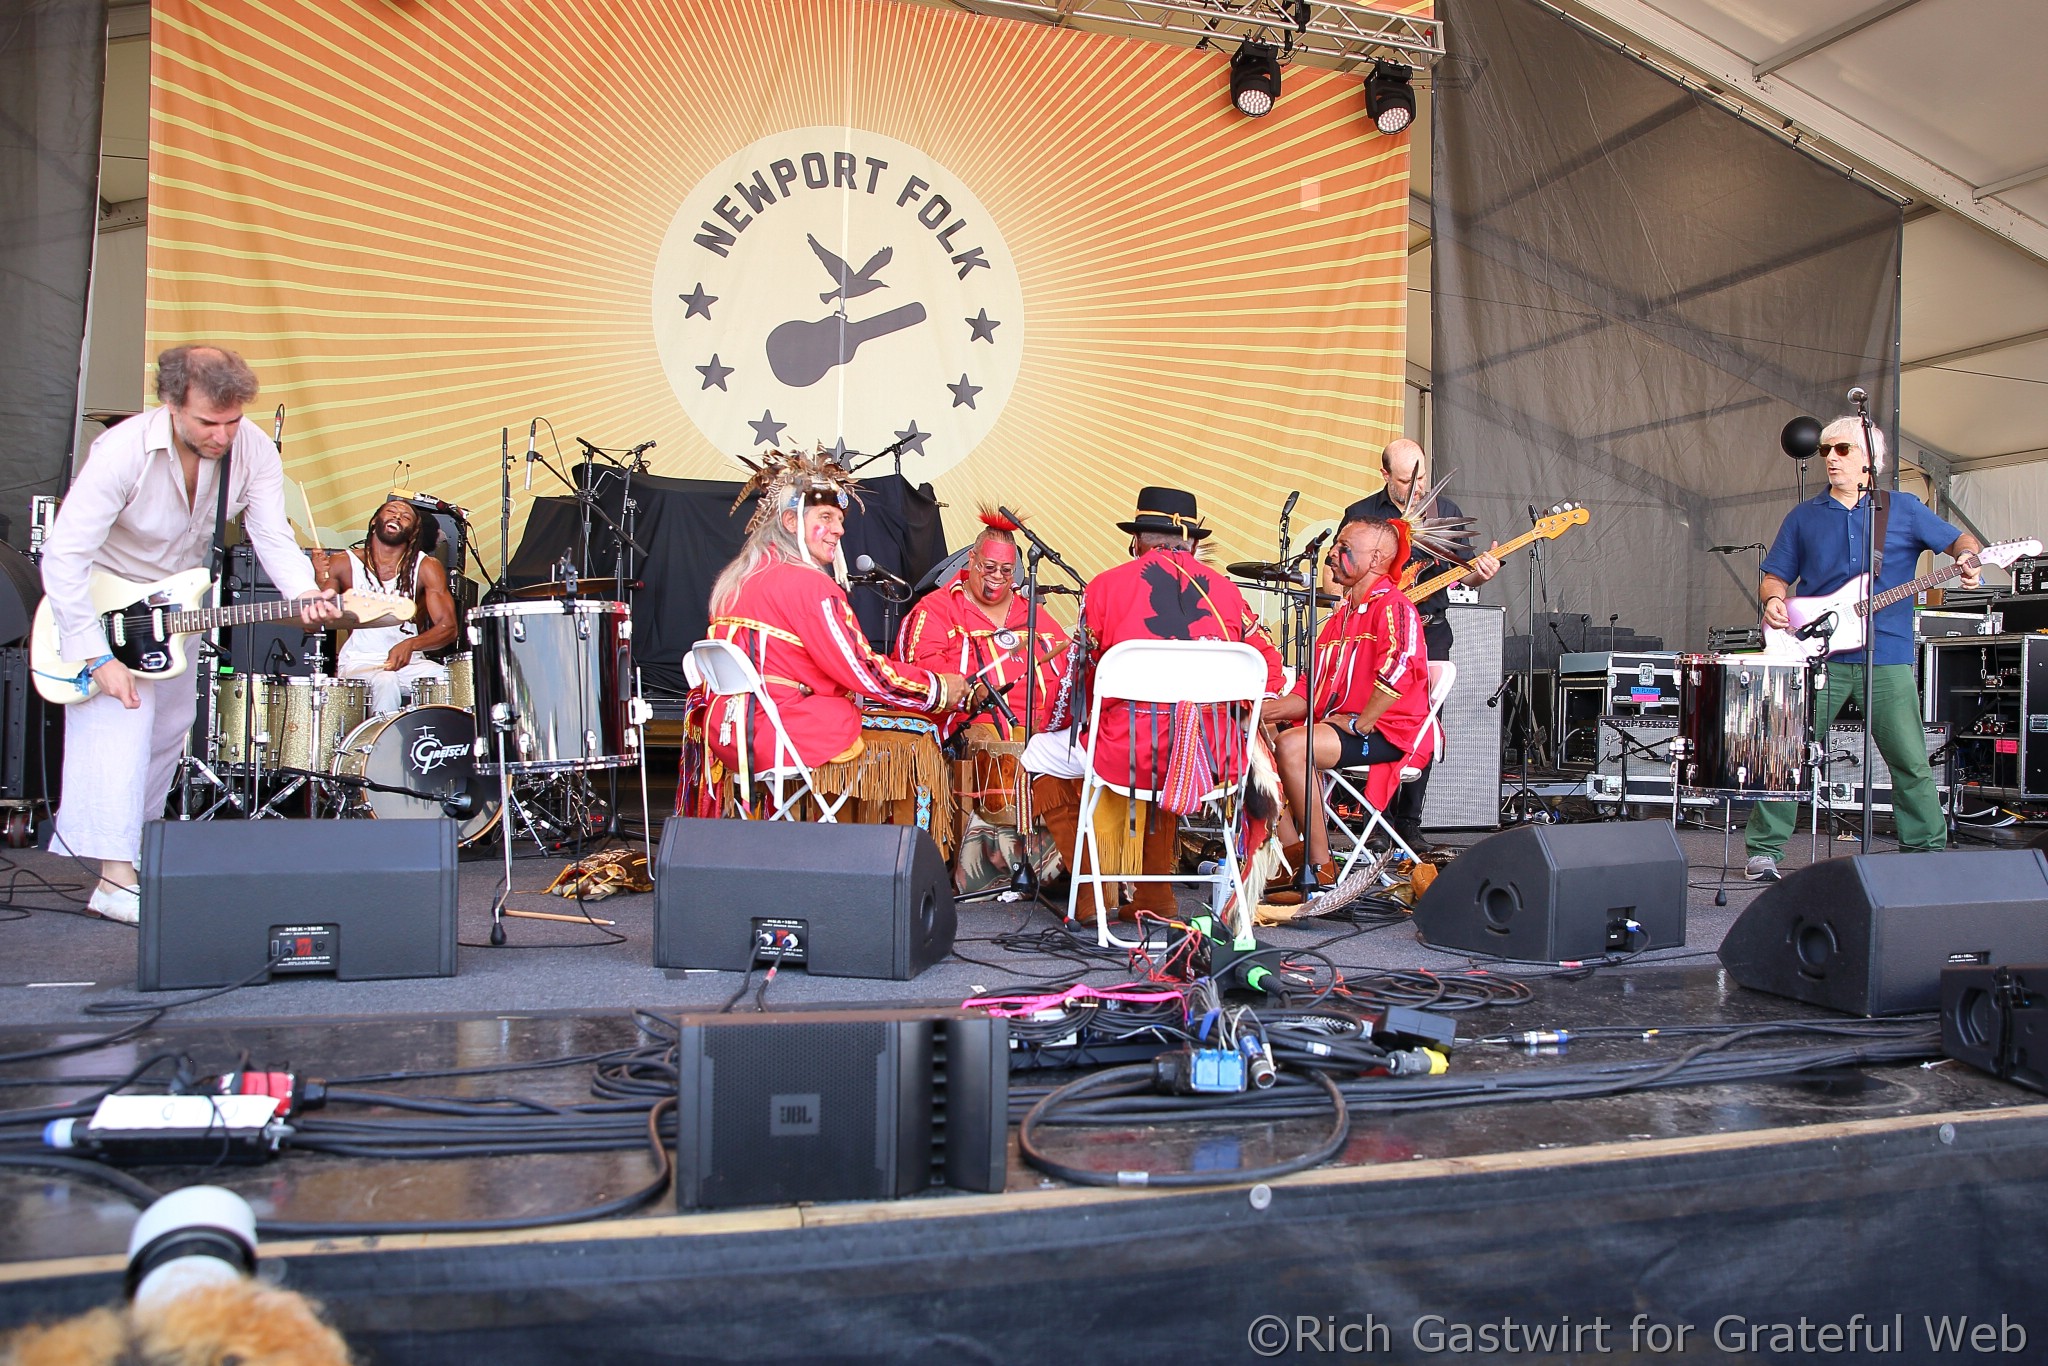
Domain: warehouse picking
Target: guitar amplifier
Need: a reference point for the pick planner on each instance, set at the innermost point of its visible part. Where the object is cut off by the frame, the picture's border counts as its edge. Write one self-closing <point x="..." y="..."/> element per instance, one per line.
<point x="1464" y="787"/>
<point x="267" y="647"/>
<point x="1843" y="783"/>
<point x="2030" y="575"/>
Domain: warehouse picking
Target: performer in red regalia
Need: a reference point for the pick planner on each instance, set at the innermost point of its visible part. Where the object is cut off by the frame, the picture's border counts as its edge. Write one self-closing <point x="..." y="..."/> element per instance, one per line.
<point x="779" y="602"/>
<point x="1371" y="677"/>
<point x="1161" y="593"/>
<point x="975" y="625"/>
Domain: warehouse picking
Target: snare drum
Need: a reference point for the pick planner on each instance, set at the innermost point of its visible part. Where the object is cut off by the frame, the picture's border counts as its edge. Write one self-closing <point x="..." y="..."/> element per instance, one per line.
<point x="299" y="738"/>
<point x="456" y="690"/>
<point x="426" y="749"/>
<point x="1743" y="725"/>
<point x="564" y="672"/>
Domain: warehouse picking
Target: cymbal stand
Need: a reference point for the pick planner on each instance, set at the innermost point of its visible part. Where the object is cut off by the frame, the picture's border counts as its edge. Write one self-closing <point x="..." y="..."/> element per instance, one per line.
<point x="501" y="723"/>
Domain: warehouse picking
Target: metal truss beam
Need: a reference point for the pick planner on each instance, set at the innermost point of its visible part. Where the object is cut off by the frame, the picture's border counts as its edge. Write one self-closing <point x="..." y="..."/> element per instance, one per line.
<point x="1324" y="33"/>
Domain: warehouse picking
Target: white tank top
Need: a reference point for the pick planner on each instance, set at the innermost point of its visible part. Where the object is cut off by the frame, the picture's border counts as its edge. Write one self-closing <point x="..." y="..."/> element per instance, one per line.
<point x="367" y="646"/>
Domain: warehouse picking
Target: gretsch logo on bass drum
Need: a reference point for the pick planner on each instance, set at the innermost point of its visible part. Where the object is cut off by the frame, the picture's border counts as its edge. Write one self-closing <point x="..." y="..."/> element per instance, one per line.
<point x="429" y="752"/>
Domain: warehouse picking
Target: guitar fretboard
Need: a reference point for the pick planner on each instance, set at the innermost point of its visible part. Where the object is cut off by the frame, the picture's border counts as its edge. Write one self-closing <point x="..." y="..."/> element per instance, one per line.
<point x="242" y="614"/>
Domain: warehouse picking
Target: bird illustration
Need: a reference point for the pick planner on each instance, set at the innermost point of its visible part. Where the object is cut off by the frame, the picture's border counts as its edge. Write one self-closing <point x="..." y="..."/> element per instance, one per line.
<point x="1176" y="603"/>
<point x="852" y="283"/>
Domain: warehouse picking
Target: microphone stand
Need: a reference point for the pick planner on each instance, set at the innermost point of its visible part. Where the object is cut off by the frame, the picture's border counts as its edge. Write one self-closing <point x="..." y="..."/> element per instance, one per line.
<point x="587" y="501"/>
<point x="504" y="512"/>
<point x="1870" y="561"/>
<point x="1311" y="792"/>
<point x="1024" y="877"/>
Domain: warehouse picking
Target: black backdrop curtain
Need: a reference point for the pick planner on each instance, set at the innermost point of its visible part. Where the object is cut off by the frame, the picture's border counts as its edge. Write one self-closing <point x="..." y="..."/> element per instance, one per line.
<point x="689" y="533"/>
<point x="1634" y="290"/>
<point x="52" y="65"/>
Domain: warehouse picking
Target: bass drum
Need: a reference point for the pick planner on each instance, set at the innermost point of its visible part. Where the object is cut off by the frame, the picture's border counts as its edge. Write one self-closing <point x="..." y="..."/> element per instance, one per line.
<point x="563" y="672"/>
<point x="426" y="749"/>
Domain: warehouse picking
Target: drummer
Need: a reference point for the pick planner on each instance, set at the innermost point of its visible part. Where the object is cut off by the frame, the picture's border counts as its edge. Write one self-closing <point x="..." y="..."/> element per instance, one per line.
<point x="976" y="625"/>
<point x="779" y="603"/>
<point x="396" y="556"/>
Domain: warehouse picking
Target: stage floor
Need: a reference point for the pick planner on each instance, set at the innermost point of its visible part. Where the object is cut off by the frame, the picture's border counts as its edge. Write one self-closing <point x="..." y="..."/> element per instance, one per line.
<point x="1797" y="1185"/>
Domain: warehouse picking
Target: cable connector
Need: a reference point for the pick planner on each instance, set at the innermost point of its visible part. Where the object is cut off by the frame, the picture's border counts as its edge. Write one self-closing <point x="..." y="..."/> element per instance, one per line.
<point x="1199" y="1071"/>
<point x="1417" y="1062"/>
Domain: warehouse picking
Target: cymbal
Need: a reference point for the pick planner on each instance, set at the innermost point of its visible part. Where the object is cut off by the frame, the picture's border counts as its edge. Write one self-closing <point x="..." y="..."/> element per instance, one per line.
<point x="604" y="590"/>
<point x="1263" y="572"/>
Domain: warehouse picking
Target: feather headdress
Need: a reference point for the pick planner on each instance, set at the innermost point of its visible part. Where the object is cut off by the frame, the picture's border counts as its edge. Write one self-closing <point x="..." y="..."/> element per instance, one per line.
<point x="995" y="520"/>
<point x="790" y="480"/>
<point x="1447" y="538"/>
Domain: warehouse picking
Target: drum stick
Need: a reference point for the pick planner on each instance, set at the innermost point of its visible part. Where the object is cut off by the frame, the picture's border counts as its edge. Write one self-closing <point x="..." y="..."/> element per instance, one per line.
<point x="552" y="915"/>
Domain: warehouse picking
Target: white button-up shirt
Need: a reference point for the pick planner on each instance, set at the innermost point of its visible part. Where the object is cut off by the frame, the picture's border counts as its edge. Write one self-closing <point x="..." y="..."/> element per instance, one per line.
<point x="127" y="514"/>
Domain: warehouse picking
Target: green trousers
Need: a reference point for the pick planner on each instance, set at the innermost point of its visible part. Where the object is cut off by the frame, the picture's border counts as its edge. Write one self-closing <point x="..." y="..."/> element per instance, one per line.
<point x="1896" y="733"/>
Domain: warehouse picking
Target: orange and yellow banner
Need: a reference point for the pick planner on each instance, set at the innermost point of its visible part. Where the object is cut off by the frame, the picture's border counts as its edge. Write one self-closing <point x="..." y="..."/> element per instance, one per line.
<point x="1053" y="265"/>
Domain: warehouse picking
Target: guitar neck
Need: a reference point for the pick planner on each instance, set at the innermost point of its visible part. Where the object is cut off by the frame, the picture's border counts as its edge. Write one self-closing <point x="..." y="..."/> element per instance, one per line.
<point x="1907" y="590"/>
<point x="244" y="614"/>
<point x="1428" y="588"/>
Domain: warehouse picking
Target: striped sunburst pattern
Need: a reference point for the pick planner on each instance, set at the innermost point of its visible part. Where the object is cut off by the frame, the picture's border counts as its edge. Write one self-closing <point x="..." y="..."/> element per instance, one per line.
<point x="425" y="223"/>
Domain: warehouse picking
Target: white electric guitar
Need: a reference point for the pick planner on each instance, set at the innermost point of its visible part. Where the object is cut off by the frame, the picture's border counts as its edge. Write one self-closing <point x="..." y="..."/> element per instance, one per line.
<point x="1836" y="622"/>
<point x="146" y="624"/>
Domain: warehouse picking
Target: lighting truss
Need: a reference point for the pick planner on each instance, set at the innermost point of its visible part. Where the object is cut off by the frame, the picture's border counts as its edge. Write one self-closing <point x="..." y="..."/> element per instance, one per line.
<point x="1337" y="34"/>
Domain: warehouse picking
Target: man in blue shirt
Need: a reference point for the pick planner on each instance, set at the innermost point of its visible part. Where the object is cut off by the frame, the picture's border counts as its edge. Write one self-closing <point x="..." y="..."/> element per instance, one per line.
<point x="1820" y="547"/>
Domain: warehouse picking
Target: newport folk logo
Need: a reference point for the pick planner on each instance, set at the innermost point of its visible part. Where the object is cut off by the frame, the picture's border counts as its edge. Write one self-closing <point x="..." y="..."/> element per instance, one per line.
<point x="834" y="286"/>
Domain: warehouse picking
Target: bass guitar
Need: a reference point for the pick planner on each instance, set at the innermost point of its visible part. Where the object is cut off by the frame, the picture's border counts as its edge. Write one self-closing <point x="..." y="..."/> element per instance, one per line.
<point x="1560" y="519"/>
<point x="1834" y="623"/>
<point x="146" y="625"/>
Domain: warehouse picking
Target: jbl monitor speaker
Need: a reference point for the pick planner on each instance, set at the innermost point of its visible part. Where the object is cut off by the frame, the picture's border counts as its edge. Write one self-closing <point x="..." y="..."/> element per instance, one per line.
<point x="1870" y="934"/>
<point x="838" y="900"/>
<point x="1996" y="1020"/>
<point x="839" y="1105"/>
<point x="349" y="899"/>
<point x="1551" y="893"/>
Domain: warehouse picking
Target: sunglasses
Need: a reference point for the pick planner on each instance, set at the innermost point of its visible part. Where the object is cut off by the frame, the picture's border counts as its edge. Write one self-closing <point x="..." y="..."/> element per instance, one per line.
<point x="1840" y="448"/>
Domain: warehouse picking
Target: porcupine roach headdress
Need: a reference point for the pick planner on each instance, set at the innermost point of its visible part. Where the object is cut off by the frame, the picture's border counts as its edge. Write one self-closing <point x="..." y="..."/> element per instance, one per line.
<point x="994" y="520"/>
<point x="1447" y="538"/>
<point x="790" y="480"/>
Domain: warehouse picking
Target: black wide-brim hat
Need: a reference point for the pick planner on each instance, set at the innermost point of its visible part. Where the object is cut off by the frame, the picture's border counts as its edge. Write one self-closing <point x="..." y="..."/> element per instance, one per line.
<point x="1171" y="511"/>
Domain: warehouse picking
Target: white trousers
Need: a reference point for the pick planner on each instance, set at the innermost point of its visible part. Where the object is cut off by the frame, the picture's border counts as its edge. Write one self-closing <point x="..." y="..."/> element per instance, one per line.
<point x="118" y="766"/>
<point x="1051" y="754"/>
<point x="386" y="683"/>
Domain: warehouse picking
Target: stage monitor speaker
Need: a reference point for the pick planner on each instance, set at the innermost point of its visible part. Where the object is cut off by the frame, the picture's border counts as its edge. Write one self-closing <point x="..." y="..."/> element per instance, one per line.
<point x="839" y="1105"/>
<point x="1870" y="934"/>
<point x="1558" y="893"/>
<point x="838" y="900"/>
<point x="354" y="900"/>
<point x="1996" y="1020"/>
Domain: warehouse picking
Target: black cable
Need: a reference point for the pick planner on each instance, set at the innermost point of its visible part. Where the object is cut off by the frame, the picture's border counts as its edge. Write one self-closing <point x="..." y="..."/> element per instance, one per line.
<point x="1137" y="1077"/>
<point x="82" y="1169"/>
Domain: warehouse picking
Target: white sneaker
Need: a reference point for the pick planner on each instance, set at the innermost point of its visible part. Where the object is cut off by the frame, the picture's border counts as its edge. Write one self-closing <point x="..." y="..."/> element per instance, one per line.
<point x="1762" y="868"/>
<point x="117" y="903"/>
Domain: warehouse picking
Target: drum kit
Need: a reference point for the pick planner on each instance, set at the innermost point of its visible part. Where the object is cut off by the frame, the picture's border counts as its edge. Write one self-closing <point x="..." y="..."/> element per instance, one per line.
<point x="544" y="697"/>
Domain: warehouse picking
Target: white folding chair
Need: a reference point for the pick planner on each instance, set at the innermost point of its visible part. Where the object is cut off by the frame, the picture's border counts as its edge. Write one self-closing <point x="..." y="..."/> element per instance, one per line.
<point x="1165" y="671"/>
<point x="1352" y="781"/>
<point x="725" y="671"/>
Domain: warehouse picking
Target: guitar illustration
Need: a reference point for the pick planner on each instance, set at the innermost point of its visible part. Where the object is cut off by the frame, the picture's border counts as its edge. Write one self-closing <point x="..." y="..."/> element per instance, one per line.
<point x="146" y="624"/>
<point x="802" y="352"/>
<point x="1548" y="528"/>
<point x="1833" y="623"/>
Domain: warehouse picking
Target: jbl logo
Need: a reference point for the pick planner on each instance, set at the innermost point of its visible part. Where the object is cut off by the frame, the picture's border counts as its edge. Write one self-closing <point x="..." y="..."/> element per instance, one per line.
<point x="791" y="1116"/>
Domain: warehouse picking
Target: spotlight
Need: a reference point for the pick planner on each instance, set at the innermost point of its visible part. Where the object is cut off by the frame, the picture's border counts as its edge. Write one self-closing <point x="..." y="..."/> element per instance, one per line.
<point x="1389" y="98"/>
<point x="1254" y="78"/>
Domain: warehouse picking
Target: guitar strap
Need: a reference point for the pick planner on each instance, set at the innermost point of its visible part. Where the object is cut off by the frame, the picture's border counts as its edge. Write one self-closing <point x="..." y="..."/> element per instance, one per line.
<point x="220" y="515"/>
<point x="1884" y="513"/>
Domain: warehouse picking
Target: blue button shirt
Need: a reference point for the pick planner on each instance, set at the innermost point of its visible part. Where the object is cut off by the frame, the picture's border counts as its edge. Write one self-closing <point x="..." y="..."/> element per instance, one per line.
<point x="1820" y="548"/>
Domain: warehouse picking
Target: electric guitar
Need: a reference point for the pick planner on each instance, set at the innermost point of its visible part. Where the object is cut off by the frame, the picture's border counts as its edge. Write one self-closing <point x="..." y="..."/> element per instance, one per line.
<point x="146" y="624"/>
<point x="1834" y="622"/>
<point x="1561" y="519"/>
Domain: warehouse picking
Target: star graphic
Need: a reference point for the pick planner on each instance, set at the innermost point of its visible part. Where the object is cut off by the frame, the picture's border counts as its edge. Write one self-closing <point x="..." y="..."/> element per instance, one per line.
<point x="697" y="304"/>
<point x="714" y="373"/>
<point x="767" y="431"/>
<point x="963" y="393"/>
<point x="839" y="450"/>
<point x="983" y="328"/>
<point x="913" y="440"/>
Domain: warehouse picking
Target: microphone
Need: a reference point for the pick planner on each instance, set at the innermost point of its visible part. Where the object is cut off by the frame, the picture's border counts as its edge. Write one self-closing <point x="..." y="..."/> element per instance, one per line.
<point x="1316" y="543"/>
<point x="1822" y="625"/>
<point x="1857" y="395"/>
<point x="640" y="450"/>
<point x="1501" y="691"/>
<point x="277" y="432"/>
<point x="1288" y="507"/>
<point x="866" y="568"/>
<point x="1733" y="549"/>
<point x="532" y="430"/>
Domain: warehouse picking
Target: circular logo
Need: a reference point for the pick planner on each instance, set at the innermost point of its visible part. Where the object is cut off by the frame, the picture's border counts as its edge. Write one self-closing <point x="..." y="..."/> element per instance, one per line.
<point x="838" y="287"/>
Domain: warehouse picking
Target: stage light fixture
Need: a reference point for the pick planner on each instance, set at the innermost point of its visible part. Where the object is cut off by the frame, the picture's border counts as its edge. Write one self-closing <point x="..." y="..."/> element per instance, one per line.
<point x="1390" y="97"/>
<point x="1254" y="78"/>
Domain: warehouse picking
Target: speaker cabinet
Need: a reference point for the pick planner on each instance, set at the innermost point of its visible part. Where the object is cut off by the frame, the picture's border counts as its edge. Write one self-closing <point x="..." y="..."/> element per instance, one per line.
<point x="839" y="1105"/>
<point x="1996" y="1020"/>
<point x="1464" y="786"/>
<point x="1550" y="893"/>
<point x="354" y="900"/>
<point x="1870" y="934"/>
<point x="838" y="900"/>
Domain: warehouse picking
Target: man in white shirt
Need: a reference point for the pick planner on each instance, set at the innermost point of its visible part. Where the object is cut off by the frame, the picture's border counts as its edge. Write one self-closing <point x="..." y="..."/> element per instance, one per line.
<point x="143" y="509"/>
